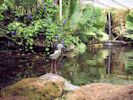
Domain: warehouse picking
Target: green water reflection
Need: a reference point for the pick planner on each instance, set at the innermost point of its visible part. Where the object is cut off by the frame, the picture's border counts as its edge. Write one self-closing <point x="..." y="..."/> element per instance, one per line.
<point x="108" y="65"/>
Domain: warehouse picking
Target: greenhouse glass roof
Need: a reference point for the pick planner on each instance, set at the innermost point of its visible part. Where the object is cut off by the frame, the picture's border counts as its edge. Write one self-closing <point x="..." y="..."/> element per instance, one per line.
<point x="117" y="4"/>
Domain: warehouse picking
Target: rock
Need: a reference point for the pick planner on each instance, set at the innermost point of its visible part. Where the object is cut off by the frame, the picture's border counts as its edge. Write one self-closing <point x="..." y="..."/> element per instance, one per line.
<point x="14" y="98"/>
<point x="72" y="47"/>
<point x="69" y="54"/>
<point x="35" y="89"/>
<point x="54" y="77"/>
<point x="101" y="91"/>
<point x="51" y="87"/>
<point x="46" y="87"/>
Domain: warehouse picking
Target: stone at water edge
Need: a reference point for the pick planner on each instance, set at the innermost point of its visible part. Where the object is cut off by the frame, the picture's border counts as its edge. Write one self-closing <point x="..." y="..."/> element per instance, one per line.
<point x="101" y="91"/>
<point x="54" y="77"/>
<point x="14" y="98"/>
<point x="50" y="87"/>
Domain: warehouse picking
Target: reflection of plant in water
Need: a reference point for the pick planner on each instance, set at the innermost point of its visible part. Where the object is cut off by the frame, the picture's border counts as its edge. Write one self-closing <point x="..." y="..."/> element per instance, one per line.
<point x="79" y="73"/>
<point x="128" y="62"/>
<point x="90" y="67"/>
<point x="97" y="58"/>
<point x="129" y="69"/>
<point x="26" y="73"/>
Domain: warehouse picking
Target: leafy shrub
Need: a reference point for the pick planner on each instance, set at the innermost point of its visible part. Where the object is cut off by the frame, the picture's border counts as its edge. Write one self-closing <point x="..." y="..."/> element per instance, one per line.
<point x="26" y="28"/>
<point x="129" y="26"/>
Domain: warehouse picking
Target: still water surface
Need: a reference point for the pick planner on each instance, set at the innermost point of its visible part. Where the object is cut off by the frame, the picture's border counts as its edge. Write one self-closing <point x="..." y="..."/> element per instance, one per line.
<point x="109" y="65"/>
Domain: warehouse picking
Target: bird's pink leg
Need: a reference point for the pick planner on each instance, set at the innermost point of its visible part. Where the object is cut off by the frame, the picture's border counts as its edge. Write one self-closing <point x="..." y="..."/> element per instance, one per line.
<point x="52" y="63"/>
<point x="55" y="67"/>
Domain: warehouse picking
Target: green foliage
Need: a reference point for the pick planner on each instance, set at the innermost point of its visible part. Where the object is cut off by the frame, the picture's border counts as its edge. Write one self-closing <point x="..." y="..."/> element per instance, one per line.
<point x="15" y="25"/>
<point x="23" y="7"/>
<point x="1" y="17"/>
<point x="129" y="26"/>
<point x="42" y="18"/>
<point x="129" y="21"/>
<point x="89" y="22"/>
<point x="75" y="18"/>
<point x="1" y="2"/>
<point x="68" y="7"/>
<point x="72" y="5"/>
<point x="71" y="39"/>
<point x="3" y="7"/>
<point x="44" y="22"/>
<point x="102" y="36"/>
<point x="81" y="48"/>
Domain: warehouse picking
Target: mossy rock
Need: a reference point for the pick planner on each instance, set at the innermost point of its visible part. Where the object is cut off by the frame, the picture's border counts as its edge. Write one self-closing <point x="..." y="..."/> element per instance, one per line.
<point x="35" y="89"/>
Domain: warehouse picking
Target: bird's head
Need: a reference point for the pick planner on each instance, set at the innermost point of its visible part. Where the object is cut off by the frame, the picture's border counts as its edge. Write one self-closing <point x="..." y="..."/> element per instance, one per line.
<point x="60" y="46"/>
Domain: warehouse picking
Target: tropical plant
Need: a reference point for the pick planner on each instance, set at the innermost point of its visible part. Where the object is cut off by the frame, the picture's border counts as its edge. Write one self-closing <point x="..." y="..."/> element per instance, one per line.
<point x="89" y="22"/>
<point x="129" y="21"/>
<point x="129" y="26"/>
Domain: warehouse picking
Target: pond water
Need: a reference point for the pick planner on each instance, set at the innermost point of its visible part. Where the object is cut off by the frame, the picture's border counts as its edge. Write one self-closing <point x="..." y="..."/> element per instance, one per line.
<point x="108" y="65"/>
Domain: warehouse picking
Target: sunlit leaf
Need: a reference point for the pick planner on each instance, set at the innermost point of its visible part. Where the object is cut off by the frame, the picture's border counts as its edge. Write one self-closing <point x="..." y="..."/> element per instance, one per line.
<point x="102" y="36"/>
<point x="75" y="18"/>
<point x="81" y="48"/>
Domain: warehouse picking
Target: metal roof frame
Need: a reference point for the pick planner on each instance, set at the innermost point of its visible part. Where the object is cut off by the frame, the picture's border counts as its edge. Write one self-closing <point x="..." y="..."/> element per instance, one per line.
<point x="115" y="1"/>
<point x="117" y="4"/>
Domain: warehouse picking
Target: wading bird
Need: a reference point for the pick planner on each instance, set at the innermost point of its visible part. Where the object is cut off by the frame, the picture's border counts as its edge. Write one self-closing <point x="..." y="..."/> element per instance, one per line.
<point x="54" y="57"/>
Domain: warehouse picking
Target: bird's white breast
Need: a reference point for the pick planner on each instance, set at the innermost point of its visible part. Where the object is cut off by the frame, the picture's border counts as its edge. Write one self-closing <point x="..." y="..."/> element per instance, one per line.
<point x="56" y="54"/>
